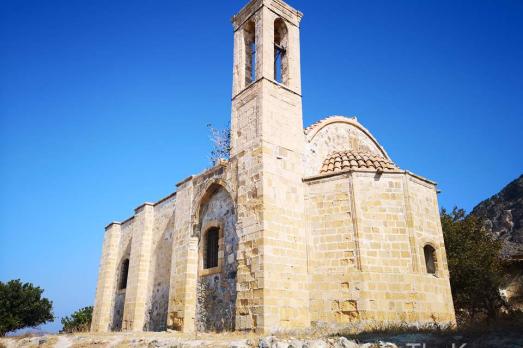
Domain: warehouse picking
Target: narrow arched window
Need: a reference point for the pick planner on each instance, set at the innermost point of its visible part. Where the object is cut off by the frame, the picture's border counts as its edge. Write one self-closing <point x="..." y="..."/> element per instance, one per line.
<point x="211" y="248"/>
<point x="281" y="66"/>
<point x="430" y="259"/>
<point x="124" y="272"/>
<point x="249" y="36"/>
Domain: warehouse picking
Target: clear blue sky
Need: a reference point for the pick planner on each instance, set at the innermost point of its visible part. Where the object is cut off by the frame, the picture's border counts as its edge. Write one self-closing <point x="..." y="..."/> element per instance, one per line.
<point x="104" y="105"/>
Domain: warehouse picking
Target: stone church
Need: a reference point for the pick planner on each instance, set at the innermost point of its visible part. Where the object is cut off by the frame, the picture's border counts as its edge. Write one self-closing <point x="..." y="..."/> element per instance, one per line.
<point x="299" y="227"/>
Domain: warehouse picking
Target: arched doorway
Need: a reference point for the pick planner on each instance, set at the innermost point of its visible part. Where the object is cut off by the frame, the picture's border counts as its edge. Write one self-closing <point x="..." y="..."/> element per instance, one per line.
<point x="217" y="266"/>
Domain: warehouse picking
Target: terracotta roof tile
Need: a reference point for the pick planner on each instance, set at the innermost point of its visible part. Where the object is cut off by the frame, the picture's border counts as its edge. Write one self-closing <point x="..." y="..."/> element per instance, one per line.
<point x="344" y="160"/>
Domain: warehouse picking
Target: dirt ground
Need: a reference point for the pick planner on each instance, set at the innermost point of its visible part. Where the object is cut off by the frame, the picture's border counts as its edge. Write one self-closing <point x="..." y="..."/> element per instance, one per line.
<point x="498" y="338"/>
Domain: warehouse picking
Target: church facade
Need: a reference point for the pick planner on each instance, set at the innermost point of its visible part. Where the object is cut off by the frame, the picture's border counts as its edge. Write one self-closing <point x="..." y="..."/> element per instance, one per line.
<point x="299" y="227"/>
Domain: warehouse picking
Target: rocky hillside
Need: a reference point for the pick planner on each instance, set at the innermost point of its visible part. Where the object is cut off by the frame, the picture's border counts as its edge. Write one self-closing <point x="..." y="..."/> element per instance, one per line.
<point x="503" y="214"/>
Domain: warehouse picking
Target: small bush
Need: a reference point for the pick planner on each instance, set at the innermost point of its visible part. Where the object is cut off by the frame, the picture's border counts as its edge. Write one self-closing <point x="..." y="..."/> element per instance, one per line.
<point x="475" y="267"/>
<point x="22" y="305"/>
<point x="221" y="143"/>
<point x="80" y="321"/>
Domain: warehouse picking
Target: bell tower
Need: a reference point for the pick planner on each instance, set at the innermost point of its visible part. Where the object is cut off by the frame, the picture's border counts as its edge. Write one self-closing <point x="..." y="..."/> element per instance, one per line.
<point x="266" y="62"/>
<point x="267" y="143"/>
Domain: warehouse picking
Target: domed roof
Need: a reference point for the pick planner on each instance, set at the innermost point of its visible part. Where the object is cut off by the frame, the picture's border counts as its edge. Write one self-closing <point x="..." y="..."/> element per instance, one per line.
<point x="345" y="160"/>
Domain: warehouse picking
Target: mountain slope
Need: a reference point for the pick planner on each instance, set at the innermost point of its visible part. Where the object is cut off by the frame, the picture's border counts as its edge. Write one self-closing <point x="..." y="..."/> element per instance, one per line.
<point x="503" y="214"/>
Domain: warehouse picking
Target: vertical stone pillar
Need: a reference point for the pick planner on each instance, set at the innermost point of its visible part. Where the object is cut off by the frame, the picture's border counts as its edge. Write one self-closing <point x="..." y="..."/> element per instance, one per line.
<point x="191" y="274"/>
<point x="355" y="223"/>
<point x="294" y="59"/>
<point x="410" y="226"/>
<point x="184" y="264"/>
<point x="105" y="288"/>
<point x="139" y="269"/>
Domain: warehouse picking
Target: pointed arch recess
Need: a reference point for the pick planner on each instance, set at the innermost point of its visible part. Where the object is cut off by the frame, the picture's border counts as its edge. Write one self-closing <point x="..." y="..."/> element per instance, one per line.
<point x="203" y="196"/>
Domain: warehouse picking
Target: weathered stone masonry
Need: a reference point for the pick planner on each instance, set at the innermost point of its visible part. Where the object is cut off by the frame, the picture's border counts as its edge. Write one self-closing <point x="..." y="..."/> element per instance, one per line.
<point x="299" y="227"/>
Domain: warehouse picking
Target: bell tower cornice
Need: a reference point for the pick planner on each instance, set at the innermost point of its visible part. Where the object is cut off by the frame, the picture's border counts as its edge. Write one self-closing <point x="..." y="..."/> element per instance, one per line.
<point x="280" y="8"/>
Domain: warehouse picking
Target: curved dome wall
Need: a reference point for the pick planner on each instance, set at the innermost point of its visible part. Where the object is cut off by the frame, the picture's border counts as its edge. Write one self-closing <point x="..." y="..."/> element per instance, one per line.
<point x="337" y="133"/>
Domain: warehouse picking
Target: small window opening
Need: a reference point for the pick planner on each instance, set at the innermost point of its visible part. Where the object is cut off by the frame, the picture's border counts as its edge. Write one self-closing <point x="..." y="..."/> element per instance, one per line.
<point x="250" y="53"/>
<point x="253" y="61"/>
<point x="430" y="259"/>
<point x="124" y="272"/>
<point x="211" y="248"/>
<point x="280" y="51"/>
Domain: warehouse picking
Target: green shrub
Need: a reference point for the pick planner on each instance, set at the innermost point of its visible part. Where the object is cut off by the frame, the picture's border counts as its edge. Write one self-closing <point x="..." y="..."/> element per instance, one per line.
<point x="22" y="305"/>
<point x="80" y="321"/>
<point x="475" y="266"/>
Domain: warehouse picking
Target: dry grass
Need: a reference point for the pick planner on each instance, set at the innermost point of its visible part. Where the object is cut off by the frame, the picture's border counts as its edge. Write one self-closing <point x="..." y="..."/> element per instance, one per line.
<point x="50" y="343"/>
<point x="401" y="328"/>
<point x="25" y="335"/>
<point x="506" y="331"/>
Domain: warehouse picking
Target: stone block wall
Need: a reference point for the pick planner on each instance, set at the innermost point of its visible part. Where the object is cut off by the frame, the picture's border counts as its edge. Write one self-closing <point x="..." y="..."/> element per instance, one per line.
<point x="267" y="143"/>
<point x="332" y="248"/>
<point x="286" y="297"/>
<point x="144" y="240"/>
<point x="124" y="253"/>
<point x="182" y="295"/>
<point x="216" y="287"/>
<point x="107" y="274"/>
<point x="159" y="281"/>
<point x="423" y="203"/>
<point x="198" y="297"/>
<point x="139" y="269"/>
<point x="336" y="133"/>
<point x="382" y="225"/>
<point x="366" y="262"/>
<point x="357" y="255"/>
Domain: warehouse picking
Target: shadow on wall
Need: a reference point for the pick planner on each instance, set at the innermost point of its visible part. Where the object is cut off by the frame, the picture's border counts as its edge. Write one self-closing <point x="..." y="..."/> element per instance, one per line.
<point x="156" y="319"/>
<point x="121" y="286"/>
